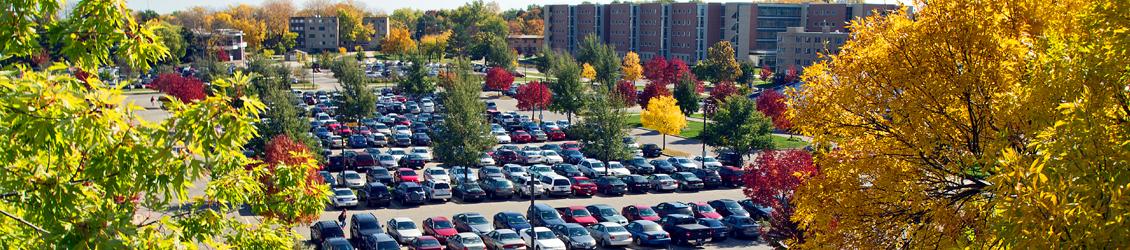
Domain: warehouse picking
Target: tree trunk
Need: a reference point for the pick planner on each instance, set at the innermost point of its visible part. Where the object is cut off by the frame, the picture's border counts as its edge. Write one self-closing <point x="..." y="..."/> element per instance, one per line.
<point x="664" y="141"/>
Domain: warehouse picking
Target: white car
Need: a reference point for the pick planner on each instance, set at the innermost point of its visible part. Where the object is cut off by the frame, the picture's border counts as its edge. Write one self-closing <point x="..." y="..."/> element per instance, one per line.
<point x="592" y="168"/>
<point x="428" y="107"/>
<point x="494" y="127"/>
<point x="401" y="129"/>
<point x="546" y="239"/>
<point x="708" y="162"/>
<point x="486" y="160"/>
<point x="397" y="153"/>
<point x="610" y="234"/>
<point x="403" y="229"/>
<point x="617" y="169"/>
<point x="423" y="153"/>
<point x="551" y="157"/>
<point x="387" y="161"/>
<point x="514" y="170"/>
<point x="458" y="173"/>
<point x="351" y="179"/>
<point x="435" y="190"/>
<point x="502" y="137"/>
<point x="383" y="129"/>
<point x="436" y="174"/>
<point x="663" y="182"/>
<point x="682" y="163"/>
<point x="344" y="197"/>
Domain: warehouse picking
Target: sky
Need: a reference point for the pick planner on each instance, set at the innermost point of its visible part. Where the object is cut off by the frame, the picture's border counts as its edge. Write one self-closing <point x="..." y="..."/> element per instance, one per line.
<point x="168" y="6"/>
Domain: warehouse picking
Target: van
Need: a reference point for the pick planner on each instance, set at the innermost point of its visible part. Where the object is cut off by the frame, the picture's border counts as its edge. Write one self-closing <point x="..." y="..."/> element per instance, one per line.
<point x="544" y="215"/>
<point x="556" y="184"/>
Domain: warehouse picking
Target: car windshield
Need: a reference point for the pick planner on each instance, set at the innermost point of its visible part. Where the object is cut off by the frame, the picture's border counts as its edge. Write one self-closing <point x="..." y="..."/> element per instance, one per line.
<point x="682" y="160"/>
<point x="508" y="236"/>
<point x="545" y="235"/>
<point x="435" y="171"/>
<point x="651" y="227"/>
<point x="582" y="181"/>
<point x="561" y="182"/>
<point x="647" y="212"/>
<point x="743" y="220"/>
<point x="577" y="231"/>
<point x="549" y="153"/>
<point x="710" y="223"/>
<point x="407" y="173"/>
<point x="615" y="166"/>
<point x="568" y="168"/>
<point x="343" y="192"/>
<point x="704" y="209"/>
<point x="388" y="245"/>
<point x="473" y="220"/>
<point x="503" y="184"/>
<point x="491" y="170"/>
<point x="515" y="219"/>
<point x="596" y="164"/>
<point x="515" y="169"/>
<point x="427" y="243"/>
<point x="541" y="169"/>
<point x="614" y="229"/>
<point x="607" y="211"/>
<point x="442" y="224"/>
<point x="440" y="185"/>
<point x="405" y="225"/>
<point x="637" y="161"/>
<point x="415" y="189"/>
<point x="662" y="177"/>
<point x="352" y="176"/>
<point x="581" y="213"/>
<point x="386" y="157"/>
<point x="548" y="214"/>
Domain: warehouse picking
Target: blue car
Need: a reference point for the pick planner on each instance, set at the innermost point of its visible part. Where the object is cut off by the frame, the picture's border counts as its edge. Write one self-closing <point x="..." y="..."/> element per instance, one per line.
<point x="719" y="231"/>
<point x="358" y="141"/>
<point x="327" y="177"/>
<point x="646" y="232"/>
<point x="510" y="220"/>
<point x="742" y="227"/>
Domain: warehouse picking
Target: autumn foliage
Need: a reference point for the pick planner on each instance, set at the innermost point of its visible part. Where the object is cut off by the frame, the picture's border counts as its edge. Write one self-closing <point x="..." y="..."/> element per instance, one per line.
<point x="771" y="181"/>
<point x="652" y="90"/>
<point x="719" y="94"/>
<point x="772" y="104"/>
<point x="287" y="159"/>
<point x="654" y="69"/>
<point x="675" y="71"/>
<point x="627" y="92"/>
<point x="498" y="79"/>
<point x="533" y="95"/>
<point x="185" y="89"/>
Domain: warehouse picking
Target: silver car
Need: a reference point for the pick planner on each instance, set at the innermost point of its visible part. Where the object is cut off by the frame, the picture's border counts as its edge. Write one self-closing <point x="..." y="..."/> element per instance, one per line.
<point x="610" y="234"/>
<point x="403" y="229"/>
<point x="437" y="190"/>
<point x="503" y="239"/>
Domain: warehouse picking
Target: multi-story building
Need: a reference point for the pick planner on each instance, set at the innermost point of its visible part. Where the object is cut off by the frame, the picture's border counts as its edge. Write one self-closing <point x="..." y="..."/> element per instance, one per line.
<point x="315" y="33"/>
<point x="380" y="28"/>
<point x="687" y="30"/>
<point x="525" y="44"/>
<point x="797" y="48"/>
<point x="231" y="42"/>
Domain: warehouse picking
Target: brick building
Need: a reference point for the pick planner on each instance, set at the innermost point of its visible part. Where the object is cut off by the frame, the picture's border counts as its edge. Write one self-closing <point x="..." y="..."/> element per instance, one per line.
<point x="315" y="33"/>
<point x="525" y="44"/>
<point x="380" y="28"/>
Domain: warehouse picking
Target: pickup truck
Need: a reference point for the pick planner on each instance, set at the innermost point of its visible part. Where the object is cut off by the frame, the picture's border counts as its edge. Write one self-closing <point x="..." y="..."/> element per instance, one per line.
<point x="685" y="230"/>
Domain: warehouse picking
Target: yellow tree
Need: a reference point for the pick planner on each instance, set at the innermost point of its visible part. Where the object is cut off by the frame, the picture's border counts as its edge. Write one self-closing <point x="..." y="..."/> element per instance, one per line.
<point x="398" y="42"/>
<point x="663" y="115"/>
<point x="587" y="71"/>
<point x="947" y="132"/>
<point x="630" y="66"/>
<point x="434" y="45"/>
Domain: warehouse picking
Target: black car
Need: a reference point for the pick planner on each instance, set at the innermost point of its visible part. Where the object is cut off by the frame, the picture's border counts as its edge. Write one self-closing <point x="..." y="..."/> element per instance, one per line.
<point x="756" y="211"/>
<point x="718" y="231"/>
<point x="611" y="185"/>
<point x="336" y="163"/>
<point x="687" y="181"/>
<point x="572" y="156"/>
<point x="468" y="192"/>
<point x="322" y="230"/>
<point x="377" y="241"/>
<point x="668" y="208"/>
<point x="379" y="175"/>
<point x="663" y="167"/>
<point x="728" y="207"/>
<point x="402" y="140"/>
<point x="636" y="183"/>
<point x="685" y="230"/>
<point x="742" y="227"/>
<point x="651" y="150"/>
<point x="730" y="158"/>
<point x="421" y="139"/>
<point x="639" y="165"/>
<point x="567" y="170"/>
<point x="412" y="161"/>
<point x="375" y="194"/>
<point x="362" y="224"/>
<point x="710" y="178"/>
<point x="409" y="193"/>
<point x="497" y="187"/>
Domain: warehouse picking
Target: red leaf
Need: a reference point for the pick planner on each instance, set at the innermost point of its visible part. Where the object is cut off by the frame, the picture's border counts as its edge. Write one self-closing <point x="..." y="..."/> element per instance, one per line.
<point x="499" y="79"/>
<point x="187" y="89"/>
<point x="533" y="95"/>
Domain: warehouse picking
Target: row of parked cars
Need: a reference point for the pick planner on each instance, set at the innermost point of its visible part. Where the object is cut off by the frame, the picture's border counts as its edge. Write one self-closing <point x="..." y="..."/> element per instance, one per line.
<point x="549" y="228"/>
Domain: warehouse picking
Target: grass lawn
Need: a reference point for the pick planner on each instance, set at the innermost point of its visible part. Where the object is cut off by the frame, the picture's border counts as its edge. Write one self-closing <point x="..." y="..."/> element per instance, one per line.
<point x="698" y="115"/>
<point x="784" y="142"/>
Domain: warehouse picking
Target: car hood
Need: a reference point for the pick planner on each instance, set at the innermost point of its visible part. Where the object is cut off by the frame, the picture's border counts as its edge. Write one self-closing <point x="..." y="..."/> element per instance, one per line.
<point x="551" y="243"/>
<point x="619" y="219"/>
<point x="583" y="239"/>
<point x="447" y="231"/>
<point x="585" y="219"/>
<point x="482" y="228"/>
<point x="411" y="233"/>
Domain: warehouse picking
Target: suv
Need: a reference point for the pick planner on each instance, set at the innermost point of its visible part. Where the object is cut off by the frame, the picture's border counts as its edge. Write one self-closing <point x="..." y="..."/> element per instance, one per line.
<point x="409" y="193"/>
<point x="731" y="176"/>
<point x="556" y="185"/>
<point x="651" y="150"/>
<point x="322" y="230"/>
<point x="375" y="194"/>
<point x="363" y="224"/>
<point x="437" y="190"/>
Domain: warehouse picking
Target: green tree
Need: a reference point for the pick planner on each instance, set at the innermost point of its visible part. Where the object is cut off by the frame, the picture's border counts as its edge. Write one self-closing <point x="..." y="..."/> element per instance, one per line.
<point x="417" y="82"/>
<point x="687" y="95"/>
<point x="465" y="131"/>
<point x="405" y="17"/>
<point x="568" y="91"/>
<point x="737" y="126"/>
<point x="603" y="59"/>
<point x="498" y="53"/>
<point x="604" y="127"/>
<point x="358" y="101"/>
<point x="351" y="27"/>
<point x="145" y="16"/>
<point x="472" y="25"/>
<point x="720" y="60"/>
<point x="171" y="37"/>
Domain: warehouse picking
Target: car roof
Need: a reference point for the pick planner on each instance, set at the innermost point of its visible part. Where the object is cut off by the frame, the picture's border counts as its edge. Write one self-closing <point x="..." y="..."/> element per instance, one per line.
<point x="409" y="184"/>
<point x="504" y="230"/>
<point x="438" y="218"/>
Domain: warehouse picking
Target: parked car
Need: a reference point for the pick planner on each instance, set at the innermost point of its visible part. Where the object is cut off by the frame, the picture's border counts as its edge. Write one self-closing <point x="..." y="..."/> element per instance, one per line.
<point x="407" y="175"/>
<point x="403" y="229"/>
<point x="421" y="139"/>
<point x="466" y="241"/>
<point x="437" y="190"/>
<point x="664" y="183"/>
<point x="469" y="192"/>
<point x="412" y="161"/>
<point x="663" y="166"/>
<point x="375" y="194"/>
<point x="522" y="187"/>
<point x="731" y="176"/>
<point x="327" y="229"/>
<point x="582" y="186"/>
<point x="388" y="161"/>
<point x="351" y="179"/>
<point x="742" y="227"/>
<point x="531" y="157"/>
<point x="491" y="172"/>
<point x="461" y="174"/>
<point x="651" y="150"/>
<point x="730" y="158"/>
<point x="546" y="239"/>
<point x="521" y="136"/>
<point x="556" y="185"/>
<point x="704" y="210"/>
<point x="344" y="197"/>
<point x="539" y="136"/>
<point x="577" y="214"/>
<point x="436" y="174"/>
<point x="718" y="231"/>
<point x="605" y="213"/>
<point x="572" y="156"/>
<point x="497" y="188"/>
<point x="426" y="243"/>
<point x="512" y="170"/>
<point x="648" y="233"/>
<point x="728" y="207"/>
<point x="684" y="229"/>
<point x="636" y="183"/>
<point x="402" y="140"/>
<point x="336" y="244"/>
<point x="472" y="222"/>
<point x="543" y="215"/>
<point x="502" y="137"/>
<point x="327" y="177"/>
<point x="409" y="193"/>
<point x="574" y="235"/>
<point x="639" y="212"/>
<point x="668" y="208"/>
<point x="756" y="211"/>
<point x="486" y="160"/>
<point x="639" y="165"/>
<point x="567" y="170"/>
<point x="362" y="224"/>
<point x="377" y="241"/>
<point x="377" y="140"/>
<point x="617" y="169"/>
<point x="506" y="157"/>
<point x="610" y="185"/>
<point x="439" y="227"/>
<point x="710" y="178"/>
<point x="608" y="234"/>
<point x="592" y="168"/>
<point x="551" y="157"/>
<point x="510" y="220"/>
<point x="555" y="134"/>
<point x="687" y="181"/>
<point x="538" y="170"/>
<point x="358" y="141"/>
<point x="503" y="239"/>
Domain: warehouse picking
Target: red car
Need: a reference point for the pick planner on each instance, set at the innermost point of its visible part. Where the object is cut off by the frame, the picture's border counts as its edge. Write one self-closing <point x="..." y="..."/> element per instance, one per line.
<point x="364" y="130"/>
<point x="425" y="243"/>
<point x="520" y="136"/>
<point x="639" y="212"/>
<point x="572" y="145"/>
<point x="333" y="126"/>
<point x="555" y="134"/>
<point x="439" y="227"/>
<point x="344" y="131"/>
<point x="505" y="157"/>
<point x="703" y="210"/>
<point x="407" y="175"/>
<point x="577" y="214"/>
<point x="582" y="186"/>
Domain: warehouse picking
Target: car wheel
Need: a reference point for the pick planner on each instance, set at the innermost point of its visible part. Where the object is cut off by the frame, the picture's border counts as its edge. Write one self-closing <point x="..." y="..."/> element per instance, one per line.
<point x="636" y="241"/>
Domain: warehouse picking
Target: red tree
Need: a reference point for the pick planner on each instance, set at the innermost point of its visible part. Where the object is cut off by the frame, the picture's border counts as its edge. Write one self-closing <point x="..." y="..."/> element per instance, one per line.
<point x="791" y="74"/>
<point x="627" y="92"/>
<point x="282" y="150"/>
<point x="771" y="180"/>
<point x="499" y="79"/>
<point x="533" y="95"/>
<point x="186" y="89"/>
<point x="652" y="90"/>
<point x="772" y="104"/>
<point x="675" y="71"/>
<point x="654" y="69"/>
<point x="719" y="94"/>
<point x="766" y="72"/>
